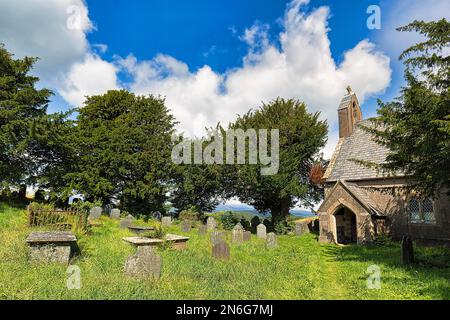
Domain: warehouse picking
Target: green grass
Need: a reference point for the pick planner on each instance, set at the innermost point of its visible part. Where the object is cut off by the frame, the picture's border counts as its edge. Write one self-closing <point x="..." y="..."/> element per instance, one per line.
<point x="300" y="268"/>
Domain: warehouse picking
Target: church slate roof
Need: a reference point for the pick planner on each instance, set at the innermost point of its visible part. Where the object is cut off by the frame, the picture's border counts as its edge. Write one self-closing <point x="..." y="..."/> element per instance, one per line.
<point x="360" y="146"/>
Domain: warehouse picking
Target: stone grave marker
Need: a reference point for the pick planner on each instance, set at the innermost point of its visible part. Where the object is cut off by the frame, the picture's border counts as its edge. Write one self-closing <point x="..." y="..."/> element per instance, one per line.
<point x="51" y="246"/>
<point x="115" y="214"/>
<point x="186" y="226"/>
<point x="407" y="251"/>
<point x="221" y="251"/>
<point x="261" y="231"/>
<point x="211" y="223"/>
<point x="125" y="223"/>
<point x="247" y="236"/>
<point x="95" y="213"/>
<point x="202" y="230"/>
<point x="271" y="240"/>
<point x="157" y="215"/>
<point x="237" y="235"/>
<point x="218" y="236"/>
<point x="144" y="264"/>
<point x="166" y="221"/>
<point x="301" y="228"/>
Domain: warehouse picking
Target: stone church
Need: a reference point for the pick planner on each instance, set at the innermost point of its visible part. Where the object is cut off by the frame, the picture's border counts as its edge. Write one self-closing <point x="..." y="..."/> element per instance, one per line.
<point x="359" y="203"/>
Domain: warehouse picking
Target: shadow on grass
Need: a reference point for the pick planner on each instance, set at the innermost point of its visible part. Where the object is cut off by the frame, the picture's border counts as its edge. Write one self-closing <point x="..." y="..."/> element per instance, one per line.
<point x="431" y="267"/>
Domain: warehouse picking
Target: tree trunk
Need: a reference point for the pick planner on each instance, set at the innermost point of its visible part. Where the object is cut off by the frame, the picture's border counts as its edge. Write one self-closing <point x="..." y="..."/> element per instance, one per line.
<point x="281" y="211"/>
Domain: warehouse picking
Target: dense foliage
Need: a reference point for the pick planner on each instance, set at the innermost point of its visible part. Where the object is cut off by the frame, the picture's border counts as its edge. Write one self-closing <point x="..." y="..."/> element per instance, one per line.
<point x="22" y="116"/>
<point x="416" y="126"/>
<point x="123" y="145"/>
<point x="301" y="136"/>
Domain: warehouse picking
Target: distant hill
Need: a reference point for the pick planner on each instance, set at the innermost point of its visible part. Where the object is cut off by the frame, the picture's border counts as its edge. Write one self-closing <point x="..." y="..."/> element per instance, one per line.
<point x="243" y="208"/>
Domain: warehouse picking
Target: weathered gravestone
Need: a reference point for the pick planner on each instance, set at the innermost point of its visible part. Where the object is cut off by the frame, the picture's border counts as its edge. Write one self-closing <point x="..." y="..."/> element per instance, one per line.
<point x="221" y="251"/>
<point x="211" y="223"/>
<point x="261" y="231"/>
<point x="157" y="215"/>
<point x="271" y="240"/>
<point x="202" y="230"/>
<point x="166" y="221"/>
<point x="51" y="246"/>
<point x="108" y="209"/>
<point x="125" y="223"/>
<point x="301" y="228"/>
<point x="407" y="250"/>
<point x="115" y="214"/>
<point x="247" y="235"/>
<point x="237" y="235"/>
<point x="95" y="213"/>
<point x="217" y="237"/>
<point x="144" y="264"/>
<point x="186" y="226"/>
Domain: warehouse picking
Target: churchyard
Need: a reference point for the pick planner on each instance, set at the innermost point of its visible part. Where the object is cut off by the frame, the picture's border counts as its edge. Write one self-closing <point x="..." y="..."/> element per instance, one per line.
<point x="202" y="261"/>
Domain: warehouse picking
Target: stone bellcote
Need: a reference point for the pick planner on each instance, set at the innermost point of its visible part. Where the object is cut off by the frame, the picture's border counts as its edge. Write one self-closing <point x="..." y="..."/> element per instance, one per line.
<point x="349" y="113"/>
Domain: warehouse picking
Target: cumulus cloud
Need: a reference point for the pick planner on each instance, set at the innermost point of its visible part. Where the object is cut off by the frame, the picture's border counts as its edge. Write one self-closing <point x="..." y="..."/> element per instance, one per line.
<point x="89" y="77"/>
<point x="299" y="65"/>
<point x="55" y="31"/>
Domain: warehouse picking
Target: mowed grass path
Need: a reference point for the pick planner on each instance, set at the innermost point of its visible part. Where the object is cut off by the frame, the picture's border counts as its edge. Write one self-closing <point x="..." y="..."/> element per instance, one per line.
<point x="300" y="268"/>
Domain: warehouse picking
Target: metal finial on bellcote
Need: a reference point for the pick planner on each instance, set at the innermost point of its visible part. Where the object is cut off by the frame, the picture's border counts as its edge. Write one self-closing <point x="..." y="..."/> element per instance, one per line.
<point x="349" y="90"/>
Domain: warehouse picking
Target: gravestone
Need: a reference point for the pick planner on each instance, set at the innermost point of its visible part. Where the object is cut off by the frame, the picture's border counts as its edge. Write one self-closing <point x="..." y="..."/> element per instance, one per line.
<point x="185" y="226"/>
<point x="211" y="223"/>
<point x="407" y="251"/>
<point x="217" y="237"/>
<point x="157" y="215"/>
<point x="202" y="230"/>
<point x="144" y="264"/>
<point x="125" y="223"/>
<point x="261" y="231"/>
<point x="237" y="235"/>
<point x="115" y="214"/>
<point x="95" y="213"/>
<point x="108" y="209"/>
<point x="301" y="228"/>
<point x="247" y="236"/>
<point x="166" y="221"/>
<point x="221" y="251"/>
<point x="271" y="240"/>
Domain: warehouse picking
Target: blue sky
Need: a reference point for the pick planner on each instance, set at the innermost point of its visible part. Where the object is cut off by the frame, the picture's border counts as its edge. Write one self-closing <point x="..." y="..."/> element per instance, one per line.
<point x="215" y="59"/>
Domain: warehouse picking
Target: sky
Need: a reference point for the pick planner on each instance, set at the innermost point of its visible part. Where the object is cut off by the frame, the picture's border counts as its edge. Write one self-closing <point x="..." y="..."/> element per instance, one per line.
<point x="213" y="60"/>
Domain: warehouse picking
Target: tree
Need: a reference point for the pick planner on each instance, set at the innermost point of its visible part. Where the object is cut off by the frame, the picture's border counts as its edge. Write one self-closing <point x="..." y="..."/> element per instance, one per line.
<point x="416" y="126"/>
<point x="22" y="112"/>
<point x="301" y="136"/>
<point x="198" y="186"/>
<point x="123" y="146"/>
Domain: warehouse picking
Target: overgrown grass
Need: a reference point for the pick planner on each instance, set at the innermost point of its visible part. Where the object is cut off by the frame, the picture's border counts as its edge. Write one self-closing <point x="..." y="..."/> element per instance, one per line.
<point x="300" y="268"/>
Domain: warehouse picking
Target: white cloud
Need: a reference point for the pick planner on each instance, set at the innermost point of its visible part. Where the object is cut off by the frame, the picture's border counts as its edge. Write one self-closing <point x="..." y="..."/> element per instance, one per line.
<point x="300" y="65"/>
<point x="55" y="31"/>
<point x="90" y="77"/>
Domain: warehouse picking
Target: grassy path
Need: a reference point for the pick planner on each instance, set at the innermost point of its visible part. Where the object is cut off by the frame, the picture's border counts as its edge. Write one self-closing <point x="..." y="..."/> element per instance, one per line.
<point x="300" y="268"/>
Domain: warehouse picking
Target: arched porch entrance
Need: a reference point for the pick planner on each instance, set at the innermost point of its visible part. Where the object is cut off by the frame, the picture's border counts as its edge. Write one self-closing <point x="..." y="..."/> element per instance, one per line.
<point x="346" y="226"/>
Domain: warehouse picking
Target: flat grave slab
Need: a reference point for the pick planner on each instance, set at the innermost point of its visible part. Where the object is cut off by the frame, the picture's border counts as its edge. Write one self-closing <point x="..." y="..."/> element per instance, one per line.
<point x="51" y="246"/>
<point x="178" y="242"/>
<point x="142" y="241"/>
<point x="140" y="229"/>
